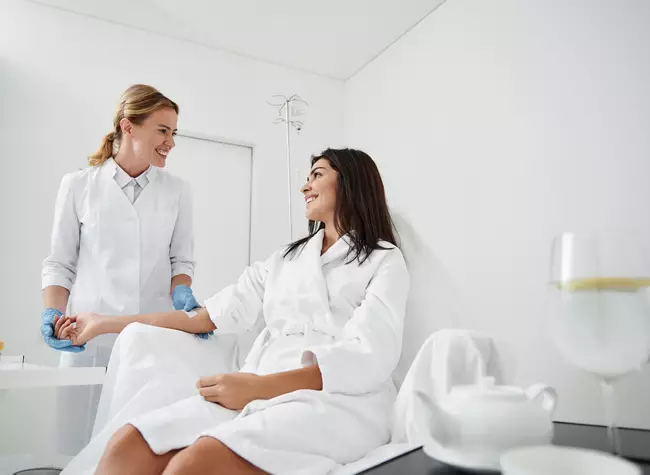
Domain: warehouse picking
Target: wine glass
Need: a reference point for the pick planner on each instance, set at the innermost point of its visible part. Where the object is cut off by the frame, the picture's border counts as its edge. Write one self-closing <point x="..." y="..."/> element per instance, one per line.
<point x="601" y="315"/>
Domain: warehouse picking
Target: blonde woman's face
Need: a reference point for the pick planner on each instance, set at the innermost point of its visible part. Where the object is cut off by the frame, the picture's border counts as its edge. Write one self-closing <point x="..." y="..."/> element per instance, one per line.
<point x="154" y="139"/>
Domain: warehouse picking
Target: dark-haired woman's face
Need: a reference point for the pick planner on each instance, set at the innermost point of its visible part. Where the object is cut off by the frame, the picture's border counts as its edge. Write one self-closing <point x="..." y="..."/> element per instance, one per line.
<point x="320" y="192"/>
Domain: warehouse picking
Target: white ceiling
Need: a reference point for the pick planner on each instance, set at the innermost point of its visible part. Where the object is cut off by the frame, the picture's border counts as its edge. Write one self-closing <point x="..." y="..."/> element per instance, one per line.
<point x="335" y="38"/>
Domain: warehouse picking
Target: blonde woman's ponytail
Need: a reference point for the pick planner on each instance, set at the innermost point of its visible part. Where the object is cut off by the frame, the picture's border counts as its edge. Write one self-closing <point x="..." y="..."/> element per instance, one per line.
<point x="104" y="152"/>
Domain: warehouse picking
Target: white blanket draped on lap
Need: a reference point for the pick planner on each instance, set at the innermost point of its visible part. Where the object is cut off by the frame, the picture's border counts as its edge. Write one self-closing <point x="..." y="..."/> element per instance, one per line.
<point x="151" y="367"/>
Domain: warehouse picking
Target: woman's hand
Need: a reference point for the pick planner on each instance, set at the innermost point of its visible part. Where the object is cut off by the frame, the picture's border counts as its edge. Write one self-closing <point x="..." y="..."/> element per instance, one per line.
<point x="86" y="328"/>
<point x="231" y="390"/>
<point x="78" y="328"/>
<point x="63" y="327"/>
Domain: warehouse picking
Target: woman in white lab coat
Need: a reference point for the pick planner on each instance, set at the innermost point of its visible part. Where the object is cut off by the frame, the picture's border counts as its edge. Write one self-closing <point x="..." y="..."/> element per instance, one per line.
<point x="121" y="243"/>
<point x="316" y="389"/>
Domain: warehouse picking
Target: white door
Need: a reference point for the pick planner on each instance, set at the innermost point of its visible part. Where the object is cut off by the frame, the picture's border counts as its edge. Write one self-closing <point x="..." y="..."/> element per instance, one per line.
<point x="220" y="176"/>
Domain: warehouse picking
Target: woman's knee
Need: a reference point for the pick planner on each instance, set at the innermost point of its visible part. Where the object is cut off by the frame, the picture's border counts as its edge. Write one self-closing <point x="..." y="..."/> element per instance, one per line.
<point x="135" y="331"/>
<point x="126" y="440"/>
<point x="140" y="335"/>
<point x="138" y="339"/>
<point x="127" y="453"/>
<point x="210" y="457"/>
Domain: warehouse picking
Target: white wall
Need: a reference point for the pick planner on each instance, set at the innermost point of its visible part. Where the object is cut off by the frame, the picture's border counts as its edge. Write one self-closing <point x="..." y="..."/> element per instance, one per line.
<point x="61" y="76"/>
<point x="497" y="125"/>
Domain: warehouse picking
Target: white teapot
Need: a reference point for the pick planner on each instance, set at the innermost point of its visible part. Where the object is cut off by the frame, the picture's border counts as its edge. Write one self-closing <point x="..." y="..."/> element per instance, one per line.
<point x="477" y="423"/>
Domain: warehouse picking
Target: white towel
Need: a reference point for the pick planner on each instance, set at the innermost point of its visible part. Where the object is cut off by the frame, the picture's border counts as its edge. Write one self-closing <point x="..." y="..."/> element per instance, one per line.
<point x="447" y="358"/>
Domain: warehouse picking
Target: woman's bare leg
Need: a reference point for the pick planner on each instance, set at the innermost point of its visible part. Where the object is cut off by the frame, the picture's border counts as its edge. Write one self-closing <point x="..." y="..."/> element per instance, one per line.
<point x="128" y="453"/>
<point x="208" y="456"/>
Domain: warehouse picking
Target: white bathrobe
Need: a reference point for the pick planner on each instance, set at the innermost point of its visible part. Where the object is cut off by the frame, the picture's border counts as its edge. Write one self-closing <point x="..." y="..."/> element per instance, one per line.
<point x="346" y="317"/>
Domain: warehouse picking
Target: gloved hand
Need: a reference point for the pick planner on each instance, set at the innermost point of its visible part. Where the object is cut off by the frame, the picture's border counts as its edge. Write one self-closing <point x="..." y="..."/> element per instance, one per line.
<point x="47" y="330"/>
<point x="183" y="299"/>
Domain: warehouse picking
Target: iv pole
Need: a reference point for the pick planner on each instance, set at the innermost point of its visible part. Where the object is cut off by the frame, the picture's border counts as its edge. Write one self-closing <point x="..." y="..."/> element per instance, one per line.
<point x="288" y="109"/>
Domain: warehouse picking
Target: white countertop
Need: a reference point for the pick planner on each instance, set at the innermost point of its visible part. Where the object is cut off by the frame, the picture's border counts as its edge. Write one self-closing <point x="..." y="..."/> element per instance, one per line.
<point x="15" y="374"/>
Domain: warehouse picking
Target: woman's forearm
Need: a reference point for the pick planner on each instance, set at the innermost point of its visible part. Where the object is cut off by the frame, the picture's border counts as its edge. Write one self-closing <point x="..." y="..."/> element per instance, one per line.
<point x="176" y="320"/>
<point x="276" y="384"/>
<point x="55" y="296"/>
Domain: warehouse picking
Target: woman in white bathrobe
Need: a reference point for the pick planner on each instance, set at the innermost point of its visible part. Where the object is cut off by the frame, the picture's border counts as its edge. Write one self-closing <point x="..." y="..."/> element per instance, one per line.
<point x="316" y="389"/>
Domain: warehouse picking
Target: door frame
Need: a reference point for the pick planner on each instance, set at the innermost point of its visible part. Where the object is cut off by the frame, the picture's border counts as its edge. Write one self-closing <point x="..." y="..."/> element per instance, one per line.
<point x="236" y="143"/>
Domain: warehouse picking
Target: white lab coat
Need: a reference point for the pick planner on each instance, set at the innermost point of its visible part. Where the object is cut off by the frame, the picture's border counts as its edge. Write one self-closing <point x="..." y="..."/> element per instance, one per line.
<point x="347" y="317"/>
<point x="116" y="258"/>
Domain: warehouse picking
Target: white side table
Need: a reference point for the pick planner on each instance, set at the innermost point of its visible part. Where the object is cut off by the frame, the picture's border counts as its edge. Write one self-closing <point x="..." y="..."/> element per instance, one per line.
<point x="15" y="373"/>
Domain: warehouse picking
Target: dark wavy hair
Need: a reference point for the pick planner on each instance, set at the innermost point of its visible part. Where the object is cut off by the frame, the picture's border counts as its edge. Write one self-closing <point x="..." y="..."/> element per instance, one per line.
<point x="361" y="210"/>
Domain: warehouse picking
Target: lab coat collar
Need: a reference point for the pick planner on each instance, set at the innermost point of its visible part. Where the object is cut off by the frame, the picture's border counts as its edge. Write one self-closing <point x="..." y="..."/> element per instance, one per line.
<point x="122" y="178"/>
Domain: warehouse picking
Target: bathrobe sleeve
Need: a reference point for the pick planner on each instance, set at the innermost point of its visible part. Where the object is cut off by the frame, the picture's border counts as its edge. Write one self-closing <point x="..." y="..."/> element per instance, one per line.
<point x="237" y="308"/>
<point x="370" y="347"/>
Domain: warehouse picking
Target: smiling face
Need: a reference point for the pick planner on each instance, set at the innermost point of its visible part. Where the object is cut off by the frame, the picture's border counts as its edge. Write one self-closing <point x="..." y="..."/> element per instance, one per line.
<point x="153" y="139"/>
<point x="320" y="192"/>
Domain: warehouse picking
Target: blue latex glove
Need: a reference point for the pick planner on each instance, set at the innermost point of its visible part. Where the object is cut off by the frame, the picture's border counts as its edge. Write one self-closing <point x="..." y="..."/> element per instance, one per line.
<point x="183" y="299"/>
<point x="47" y="330"/>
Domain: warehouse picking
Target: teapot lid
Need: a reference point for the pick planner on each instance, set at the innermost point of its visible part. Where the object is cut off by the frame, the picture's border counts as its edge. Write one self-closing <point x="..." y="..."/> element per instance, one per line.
<point x="485" y="387"/>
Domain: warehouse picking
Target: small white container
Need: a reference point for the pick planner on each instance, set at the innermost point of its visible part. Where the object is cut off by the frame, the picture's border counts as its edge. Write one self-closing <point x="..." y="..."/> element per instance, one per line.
<point x="554" y="460"/>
